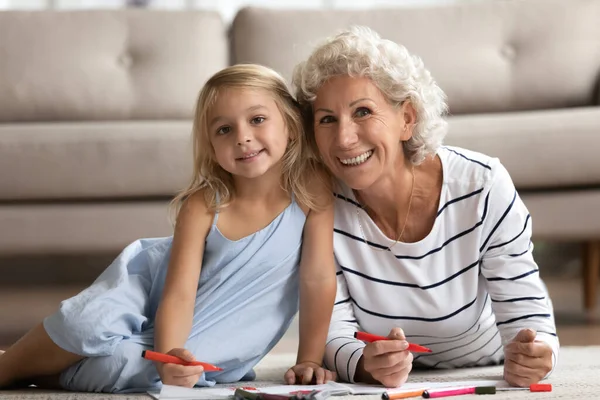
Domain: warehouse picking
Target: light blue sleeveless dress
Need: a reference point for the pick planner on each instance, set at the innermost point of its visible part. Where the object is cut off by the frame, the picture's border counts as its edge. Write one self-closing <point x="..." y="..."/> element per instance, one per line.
<point x="248" y="294"/>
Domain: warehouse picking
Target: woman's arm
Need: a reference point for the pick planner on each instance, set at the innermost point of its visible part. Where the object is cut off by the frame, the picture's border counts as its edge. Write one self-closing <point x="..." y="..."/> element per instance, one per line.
<point x="520" y="299"/>
<point x="382" y="362"/>
<point x="176" y="309"/>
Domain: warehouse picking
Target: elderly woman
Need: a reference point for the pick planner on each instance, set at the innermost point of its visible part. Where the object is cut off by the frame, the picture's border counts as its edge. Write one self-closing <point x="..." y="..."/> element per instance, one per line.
<point x="433" y="243"/>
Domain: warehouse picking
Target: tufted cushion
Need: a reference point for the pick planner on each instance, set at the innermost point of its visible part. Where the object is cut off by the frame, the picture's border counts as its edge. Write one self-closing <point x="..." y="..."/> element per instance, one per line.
<point x="103" y="65"/>
<point x="489" y="56"/>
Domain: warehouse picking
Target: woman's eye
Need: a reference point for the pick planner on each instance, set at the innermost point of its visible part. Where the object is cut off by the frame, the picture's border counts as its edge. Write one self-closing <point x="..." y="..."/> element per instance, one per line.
<point x="257" y="120"/>
<point x="223" y="130"/>
<point x="326" y="119"/>
<point x="362" y="112"/>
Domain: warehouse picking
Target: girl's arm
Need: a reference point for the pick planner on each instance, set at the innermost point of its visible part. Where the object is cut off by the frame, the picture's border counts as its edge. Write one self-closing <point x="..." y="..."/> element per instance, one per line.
<point x="344" y="353"/>
<point x="317" y="285"/>
<point x="176" y="309"/>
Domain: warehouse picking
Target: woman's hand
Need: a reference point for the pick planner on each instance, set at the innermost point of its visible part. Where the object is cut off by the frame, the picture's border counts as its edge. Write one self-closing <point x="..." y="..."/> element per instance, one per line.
<point x="388" y="361"/>
<point x="180" y="375"/>
<point x="307" y="373"/>
<point x="526" y="361"/>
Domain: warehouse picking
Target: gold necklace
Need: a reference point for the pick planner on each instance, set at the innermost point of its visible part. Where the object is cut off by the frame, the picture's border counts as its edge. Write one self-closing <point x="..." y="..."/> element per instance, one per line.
<point x="389" y="248"/>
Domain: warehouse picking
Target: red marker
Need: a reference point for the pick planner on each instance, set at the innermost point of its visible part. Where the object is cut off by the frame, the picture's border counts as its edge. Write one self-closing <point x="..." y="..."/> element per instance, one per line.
<point x="369" y="337"/>
<point x="536" y="387"/>
<point x="166" y="358"/>
<point x="433" y="394"/>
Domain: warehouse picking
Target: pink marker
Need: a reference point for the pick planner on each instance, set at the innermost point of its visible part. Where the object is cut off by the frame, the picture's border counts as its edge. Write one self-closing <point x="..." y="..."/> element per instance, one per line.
<point x="433" y="394"/>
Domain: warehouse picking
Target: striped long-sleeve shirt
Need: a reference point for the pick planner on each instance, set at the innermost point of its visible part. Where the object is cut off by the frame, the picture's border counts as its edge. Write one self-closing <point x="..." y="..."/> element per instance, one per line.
<point x="464" y="290"/>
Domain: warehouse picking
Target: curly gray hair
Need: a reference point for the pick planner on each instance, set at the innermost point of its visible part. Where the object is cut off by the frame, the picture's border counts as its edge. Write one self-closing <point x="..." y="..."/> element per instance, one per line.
<point x="359" y="51"/>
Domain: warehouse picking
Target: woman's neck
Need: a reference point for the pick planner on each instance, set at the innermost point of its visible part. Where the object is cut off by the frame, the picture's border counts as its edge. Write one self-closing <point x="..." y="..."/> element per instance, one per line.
<point x="390" y="191"/>
<point x="387" y="201"/>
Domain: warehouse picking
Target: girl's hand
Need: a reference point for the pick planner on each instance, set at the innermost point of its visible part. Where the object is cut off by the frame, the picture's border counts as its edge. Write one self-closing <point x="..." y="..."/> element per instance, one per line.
<point x="306" y="373"/>
<point x="180" y="375"/>
<point x="526" y="361"/>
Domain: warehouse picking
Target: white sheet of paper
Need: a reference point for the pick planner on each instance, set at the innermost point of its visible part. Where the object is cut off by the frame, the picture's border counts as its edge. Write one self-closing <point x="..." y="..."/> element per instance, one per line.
<point x="169" y="392"/>
<point x="181" y="393"/>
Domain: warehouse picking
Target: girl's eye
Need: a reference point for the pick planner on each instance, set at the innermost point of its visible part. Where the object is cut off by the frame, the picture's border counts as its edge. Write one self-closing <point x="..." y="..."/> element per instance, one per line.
<point x="362" y="112"/>
<point x="257" y="120"/>
<point x="223" y="130"/>
<point x="328" y="119"/>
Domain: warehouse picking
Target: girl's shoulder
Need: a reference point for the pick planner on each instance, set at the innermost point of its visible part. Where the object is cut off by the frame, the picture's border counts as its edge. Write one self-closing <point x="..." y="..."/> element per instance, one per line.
<point x="194" y="211"/>
<point x="319" y="189"/>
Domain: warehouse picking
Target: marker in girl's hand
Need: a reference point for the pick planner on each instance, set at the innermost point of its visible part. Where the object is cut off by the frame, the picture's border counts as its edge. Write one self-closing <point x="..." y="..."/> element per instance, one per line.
<point x="166" y="358"/>
<point x="369" y="337"/>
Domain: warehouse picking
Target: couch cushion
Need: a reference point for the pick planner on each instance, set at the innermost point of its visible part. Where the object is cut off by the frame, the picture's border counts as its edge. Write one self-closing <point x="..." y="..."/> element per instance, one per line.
<point x="94" y="228"/>
<point x="489" y="56"/>
<point x="540" y="149"/>
<point x="106" y="65"/>
<point x="94" y="160"/>
<point x="109" y="226"/>
<point x="570" y="215"/>
<point x="139" y="159"/>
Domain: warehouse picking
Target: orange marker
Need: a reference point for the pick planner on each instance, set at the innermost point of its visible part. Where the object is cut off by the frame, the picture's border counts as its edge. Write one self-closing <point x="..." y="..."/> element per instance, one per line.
<point x="368" y="337"/>
<point x="166" y="358"/>
<point x="402" y="395"/>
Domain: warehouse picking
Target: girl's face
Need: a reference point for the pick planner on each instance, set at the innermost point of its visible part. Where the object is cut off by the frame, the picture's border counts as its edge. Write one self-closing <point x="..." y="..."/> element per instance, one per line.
<point x="247" y="132"/>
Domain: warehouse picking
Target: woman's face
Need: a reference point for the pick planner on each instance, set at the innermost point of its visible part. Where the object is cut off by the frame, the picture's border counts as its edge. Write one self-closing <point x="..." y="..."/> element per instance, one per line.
<point x="358" y="132"/>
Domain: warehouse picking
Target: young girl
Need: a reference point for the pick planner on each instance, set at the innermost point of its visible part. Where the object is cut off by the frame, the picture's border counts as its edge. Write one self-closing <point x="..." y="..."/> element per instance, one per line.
<point x="252" y="237"/>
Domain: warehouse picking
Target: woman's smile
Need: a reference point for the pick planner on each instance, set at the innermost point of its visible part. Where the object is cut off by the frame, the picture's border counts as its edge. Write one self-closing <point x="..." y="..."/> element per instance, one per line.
<point x="357" y="160"/>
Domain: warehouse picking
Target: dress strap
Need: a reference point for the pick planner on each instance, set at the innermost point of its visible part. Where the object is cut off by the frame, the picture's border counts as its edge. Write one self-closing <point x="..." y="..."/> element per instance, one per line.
<point x="216" y="217"/>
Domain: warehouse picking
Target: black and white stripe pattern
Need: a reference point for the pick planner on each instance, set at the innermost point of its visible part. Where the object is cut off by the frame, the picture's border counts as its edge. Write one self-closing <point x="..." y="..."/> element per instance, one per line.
<point x="464" y="290"/>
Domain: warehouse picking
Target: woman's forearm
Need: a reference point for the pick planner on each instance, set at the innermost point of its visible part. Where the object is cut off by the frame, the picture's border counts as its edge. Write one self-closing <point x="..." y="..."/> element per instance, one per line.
<point x="173" y="324"/>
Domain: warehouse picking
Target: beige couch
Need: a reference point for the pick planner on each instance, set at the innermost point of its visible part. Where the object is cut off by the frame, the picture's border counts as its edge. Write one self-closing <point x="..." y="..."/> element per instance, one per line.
<point x="95" y="108"/>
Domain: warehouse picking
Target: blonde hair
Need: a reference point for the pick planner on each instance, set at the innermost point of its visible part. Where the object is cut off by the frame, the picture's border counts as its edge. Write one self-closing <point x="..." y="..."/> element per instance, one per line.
<point x="298" y="163"/>
<point x="401" y="76"/>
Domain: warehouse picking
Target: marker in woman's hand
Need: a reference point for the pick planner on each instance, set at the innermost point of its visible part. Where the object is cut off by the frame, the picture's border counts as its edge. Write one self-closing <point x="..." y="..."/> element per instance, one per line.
<point x="369" y="337"/>
<point x="166" y="358"/>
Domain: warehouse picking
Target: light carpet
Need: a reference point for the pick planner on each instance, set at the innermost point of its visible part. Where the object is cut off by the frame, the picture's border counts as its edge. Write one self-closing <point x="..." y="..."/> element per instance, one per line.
<point x="577" y="376"/>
